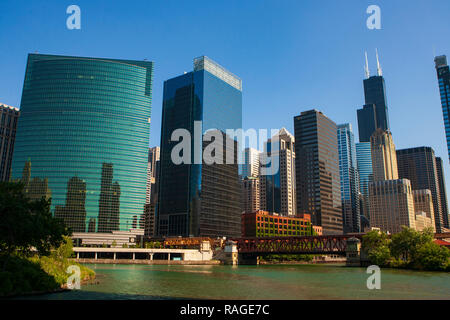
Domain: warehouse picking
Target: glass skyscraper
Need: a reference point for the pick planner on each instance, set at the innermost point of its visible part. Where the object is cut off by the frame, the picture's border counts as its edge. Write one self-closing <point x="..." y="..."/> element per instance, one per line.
<point x="365" y="171"/>
<point x="349" y="178"/>
<point x="443" y="74"/>
<point x="82" y="139"/>
<point x="196" y="198"/>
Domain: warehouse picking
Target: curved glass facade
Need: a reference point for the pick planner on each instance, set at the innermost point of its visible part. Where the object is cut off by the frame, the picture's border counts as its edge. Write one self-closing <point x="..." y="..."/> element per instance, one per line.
<point x="82" y="139"/>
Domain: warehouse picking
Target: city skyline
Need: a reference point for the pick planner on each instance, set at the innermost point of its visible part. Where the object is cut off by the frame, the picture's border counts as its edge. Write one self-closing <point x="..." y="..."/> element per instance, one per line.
<point x="305" y="39"/>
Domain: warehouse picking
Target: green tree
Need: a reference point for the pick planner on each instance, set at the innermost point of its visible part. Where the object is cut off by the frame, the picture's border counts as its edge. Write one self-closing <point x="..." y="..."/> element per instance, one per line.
<point x="26" y="224"/>
<point x="376" y="245"/>
<point x="65" y="250"/>
<point x="433" y="257"/>
<point x="405" y="244"/>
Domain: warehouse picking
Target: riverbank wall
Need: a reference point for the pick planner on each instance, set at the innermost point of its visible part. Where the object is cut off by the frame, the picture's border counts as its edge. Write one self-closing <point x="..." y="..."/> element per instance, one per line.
<point x="147" y="262"/>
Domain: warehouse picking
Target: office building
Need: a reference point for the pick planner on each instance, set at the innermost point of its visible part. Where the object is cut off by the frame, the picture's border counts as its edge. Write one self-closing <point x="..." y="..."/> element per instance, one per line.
<point x="263" y="224"/>
<point x="384" y="158"/>
<point x="196" y="198"/>
<point x="419" y="166"/>
<point x="391" y="205"/>
<point x="250" y="168"/>
<point x="278" y="193"/>
<point x="365" y="172"/>
<point x="443" y="74"/>
<point x="423" y="207"/>
<point x="317" y="170"/>
<point x="8" y="125"/>
<point x="250" y="194"/>
<point x="153" y="159"/>
<point x="349" y="178"/>
<point x="443" y="192"/>
<point x="374" y="114"/>
<point x="82" y="138"/>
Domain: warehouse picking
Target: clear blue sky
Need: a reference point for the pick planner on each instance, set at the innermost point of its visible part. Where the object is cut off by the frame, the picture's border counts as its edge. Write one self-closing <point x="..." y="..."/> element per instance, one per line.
<point x="292" y="55"/>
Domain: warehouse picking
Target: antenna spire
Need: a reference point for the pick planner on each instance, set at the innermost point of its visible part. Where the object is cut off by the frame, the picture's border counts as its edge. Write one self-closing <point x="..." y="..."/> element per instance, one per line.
<point x="379" y="70"/>
<point x="367" y="67"/>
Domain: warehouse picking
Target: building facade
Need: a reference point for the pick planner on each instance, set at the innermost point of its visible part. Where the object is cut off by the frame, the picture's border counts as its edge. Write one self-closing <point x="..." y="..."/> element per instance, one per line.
<point x="365" y="172"/>
<point x="153" y="160"/>
<point x="262" y="224"/>
<point x="250" y="168"/>
<point x="349" y="178"/>
<point x="317" y="170"/>
<point x="278" y="193"/>
<point x="384" y="158"/>
<point x="8" y="126"/>
<point x="443" y="74"/>
<point x="82" y="138"/>
<point x="196" y="198"/>
<point x="250" y="194"/>
<point x="419" y="166"/>
<point x="443" y="191"/>
<point x="392" y="205"/>
<point x="423" y="206"/>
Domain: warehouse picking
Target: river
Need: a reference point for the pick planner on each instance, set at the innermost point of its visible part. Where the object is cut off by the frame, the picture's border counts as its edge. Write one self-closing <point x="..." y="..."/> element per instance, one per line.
<point x="255" y="282"/>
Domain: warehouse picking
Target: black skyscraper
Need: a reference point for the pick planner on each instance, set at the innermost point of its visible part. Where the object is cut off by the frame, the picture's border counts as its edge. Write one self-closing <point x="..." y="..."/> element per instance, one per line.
<point x="374" y="115"/>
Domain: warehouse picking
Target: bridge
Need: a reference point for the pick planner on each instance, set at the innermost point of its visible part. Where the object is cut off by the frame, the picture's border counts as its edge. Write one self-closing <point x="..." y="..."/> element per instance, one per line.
<point x="331" y="244"/>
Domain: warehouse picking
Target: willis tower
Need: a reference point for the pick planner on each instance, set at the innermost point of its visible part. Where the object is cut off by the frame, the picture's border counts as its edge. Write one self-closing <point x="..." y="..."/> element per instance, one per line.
<point x="374" y="114"/>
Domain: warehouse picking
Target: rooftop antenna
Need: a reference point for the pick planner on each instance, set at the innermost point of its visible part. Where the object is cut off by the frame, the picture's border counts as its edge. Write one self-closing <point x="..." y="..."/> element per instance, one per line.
<point x="367" y="67"/>
<point x="379" y="70"/>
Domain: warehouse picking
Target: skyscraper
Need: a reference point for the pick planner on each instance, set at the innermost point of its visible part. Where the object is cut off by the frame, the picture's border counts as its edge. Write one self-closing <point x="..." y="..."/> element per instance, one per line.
<point x="317" y="170"/>
<point x="374" y="115"/>
<point x="365" y="171"/>
<point x="196" y="198"/>
<point x="443" y="74"/>
<point x="8" y="125"/>
<point x="87" y="118"/>
<point x="419" y="166"/>
<point x="349" y="179"/>
<point x="443" y="191"/>
<point x="250" y="168"/>
<point x="250" y="194"/>
<point x="278" y="193"/>
<point x="74" y="212"/>
<point x="153" y="158"/>
<point x="384" y="158"/>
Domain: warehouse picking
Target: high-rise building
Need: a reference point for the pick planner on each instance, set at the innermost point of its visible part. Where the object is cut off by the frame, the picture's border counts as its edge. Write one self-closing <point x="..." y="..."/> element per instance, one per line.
<point x="317" y="170"/>
<point x="86" y="122"/>
<point x="423" y="206"/>
<point x="278" y="193"/>
<point x="443" y="74"/>
<point x="374" y="115"/>
<point x="197" y="198"/>
<point x="153" y="158"/>
<point x="365" y="172"/>
<point x="443" y="191"/>
<point x="349" y="178"/>
<point x="8" y="124"/>
<point x="250" y="194"/>
<point x="384" y="158"/>
<point x="419" y="166"/>
<point x="250" y="168"/>
<point x="391" y="205"/>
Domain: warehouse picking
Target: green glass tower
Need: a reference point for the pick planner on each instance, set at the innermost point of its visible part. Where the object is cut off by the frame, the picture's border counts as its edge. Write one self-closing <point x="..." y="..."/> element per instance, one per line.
<point x="82" y="138"/>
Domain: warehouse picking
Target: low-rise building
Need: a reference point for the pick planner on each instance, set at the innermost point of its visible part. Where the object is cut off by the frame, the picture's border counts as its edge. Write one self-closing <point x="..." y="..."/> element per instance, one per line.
<point x="263" y="224"/>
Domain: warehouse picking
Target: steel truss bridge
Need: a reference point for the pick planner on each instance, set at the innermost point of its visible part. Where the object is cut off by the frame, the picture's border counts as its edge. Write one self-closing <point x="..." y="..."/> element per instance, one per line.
<point x="330" y="244"/>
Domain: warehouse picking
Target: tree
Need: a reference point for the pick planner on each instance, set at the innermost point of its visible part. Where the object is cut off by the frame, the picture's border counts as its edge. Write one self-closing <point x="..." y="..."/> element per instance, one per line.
<point x="65" y="250"/>
<point x="26" y="224"/>
<point x="405" y="244"/>
<point x="376" y="245"/>
<point x="431" y="256"/>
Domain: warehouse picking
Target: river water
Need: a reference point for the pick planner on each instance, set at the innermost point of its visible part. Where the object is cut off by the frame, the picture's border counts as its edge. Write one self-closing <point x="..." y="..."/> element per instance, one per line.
<point x="255" y="282"/>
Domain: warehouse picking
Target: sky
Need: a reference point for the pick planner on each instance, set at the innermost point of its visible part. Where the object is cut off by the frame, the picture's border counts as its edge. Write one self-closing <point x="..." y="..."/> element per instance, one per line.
<point x="292" y="55"/>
